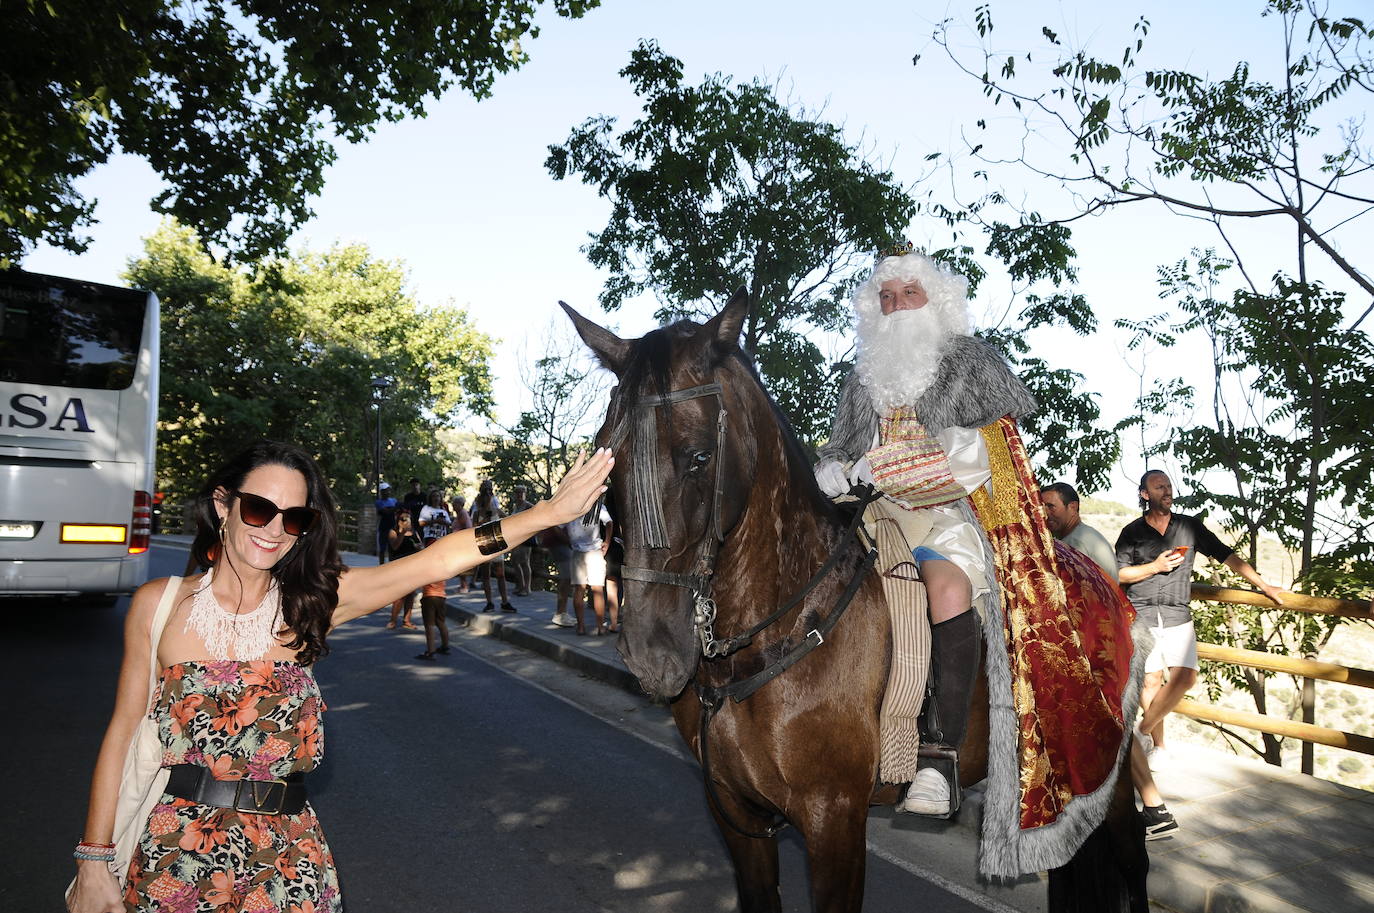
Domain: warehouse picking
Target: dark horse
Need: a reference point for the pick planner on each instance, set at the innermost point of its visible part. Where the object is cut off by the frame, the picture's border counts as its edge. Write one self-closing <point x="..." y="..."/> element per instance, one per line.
<point x="724" y="524"/>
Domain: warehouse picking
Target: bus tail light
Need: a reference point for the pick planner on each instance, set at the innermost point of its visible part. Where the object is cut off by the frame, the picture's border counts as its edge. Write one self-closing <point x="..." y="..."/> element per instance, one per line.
<point x="143" y="523"/>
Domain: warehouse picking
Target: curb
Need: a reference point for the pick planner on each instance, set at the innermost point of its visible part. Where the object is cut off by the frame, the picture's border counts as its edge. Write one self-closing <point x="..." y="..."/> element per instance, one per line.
<point x="516" y="633"/>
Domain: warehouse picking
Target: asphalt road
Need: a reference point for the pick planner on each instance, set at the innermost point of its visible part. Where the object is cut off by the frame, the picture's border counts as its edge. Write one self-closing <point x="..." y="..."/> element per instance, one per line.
<point x="491" y="781"/>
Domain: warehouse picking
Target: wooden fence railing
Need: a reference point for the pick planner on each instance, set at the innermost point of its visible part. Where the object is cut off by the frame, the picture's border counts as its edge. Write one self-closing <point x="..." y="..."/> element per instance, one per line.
<point x="1308" y="670"/>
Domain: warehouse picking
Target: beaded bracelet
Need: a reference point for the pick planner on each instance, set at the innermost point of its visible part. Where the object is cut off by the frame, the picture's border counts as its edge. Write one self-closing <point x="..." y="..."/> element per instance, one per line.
<point x="95" y="852"/>
<point x="92" y="857"/>
<point x="489" y="538"/>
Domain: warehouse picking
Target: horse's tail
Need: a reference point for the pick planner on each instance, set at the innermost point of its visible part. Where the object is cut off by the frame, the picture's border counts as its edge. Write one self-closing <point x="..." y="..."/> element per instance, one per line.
<point x="1107" y="874"/>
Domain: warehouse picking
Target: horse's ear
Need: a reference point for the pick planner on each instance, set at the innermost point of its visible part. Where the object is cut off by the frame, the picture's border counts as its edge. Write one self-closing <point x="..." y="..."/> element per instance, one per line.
<point x="724" y="328"/>
<point x="610" y="349"/>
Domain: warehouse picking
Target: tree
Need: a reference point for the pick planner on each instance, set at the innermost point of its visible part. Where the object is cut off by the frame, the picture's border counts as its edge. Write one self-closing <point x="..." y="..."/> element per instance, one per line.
<point x="1290" y="403"/>
<point x="289" y="351"/>
<point x="1222" y="150"/>
<point x="1287" y="411"/>
<point x="1219" y="150"/>
<point x="566" y="388"/>
<point x="722" y="185"/>
<point x="234" y="103"/>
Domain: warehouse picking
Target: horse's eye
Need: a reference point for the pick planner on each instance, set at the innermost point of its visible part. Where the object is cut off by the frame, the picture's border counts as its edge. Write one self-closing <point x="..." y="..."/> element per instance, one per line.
<point x="699" y="459"/>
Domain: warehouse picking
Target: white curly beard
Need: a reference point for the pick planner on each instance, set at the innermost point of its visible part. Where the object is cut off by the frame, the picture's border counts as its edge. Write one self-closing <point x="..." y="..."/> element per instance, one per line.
<point x="898" y="355"/>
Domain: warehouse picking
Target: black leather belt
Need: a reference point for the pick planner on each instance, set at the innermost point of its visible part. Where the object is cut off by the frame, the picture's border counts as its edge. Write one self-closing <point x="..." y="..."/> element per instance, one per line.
<point x="259" y="797"/>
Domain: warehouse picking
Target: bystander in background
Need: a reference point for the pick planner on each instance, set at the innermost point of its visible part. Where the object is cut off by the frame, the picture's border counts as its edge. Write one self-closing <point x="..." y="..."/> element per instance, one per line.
<point x="520" y="557"/>
<point x="413" y="501"/>
<point x="487" y="509"/>
<point x="589" y="543"/>
<point x="386" y="519"/>
<point x="404" y="541"/>
<point x="1155" y="555"/>
<point x="1062" y="517"/>
<point x="434" y="613"/>
<point x="556" y="544"/>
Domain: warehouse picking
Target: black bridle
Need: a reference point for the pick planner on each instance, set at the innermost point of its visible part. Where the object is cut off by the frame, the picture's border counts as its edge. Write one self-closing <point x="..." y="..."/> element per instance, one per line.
<point x="647" y="507"/>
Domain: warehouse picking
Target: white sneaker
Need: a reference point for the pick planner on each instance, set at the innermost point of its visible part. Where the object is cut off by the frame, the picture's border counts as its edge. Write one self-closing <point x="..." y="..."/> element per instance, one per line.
<point x="928" y="794"/>
<point x="564" y="620"/>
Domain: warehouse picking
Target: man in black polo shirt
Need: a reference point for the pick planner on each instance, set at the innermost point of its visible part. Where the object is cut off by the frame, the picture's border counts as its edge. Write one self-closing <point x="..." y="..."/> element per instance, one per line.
<point x="1157" y="577"/>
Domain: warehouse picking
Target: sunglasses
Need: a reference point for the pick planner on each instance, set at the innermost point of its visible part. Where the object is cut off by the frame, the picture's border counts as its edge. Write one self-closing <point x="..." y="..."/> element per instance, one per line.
<point x="258" y="511"/>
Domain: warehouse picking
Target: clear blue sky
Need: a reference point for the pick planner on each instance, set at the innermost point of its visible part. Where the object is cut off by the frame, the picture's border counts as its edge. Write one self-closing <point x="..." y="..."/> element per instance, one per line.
<point x="462" y="196"/>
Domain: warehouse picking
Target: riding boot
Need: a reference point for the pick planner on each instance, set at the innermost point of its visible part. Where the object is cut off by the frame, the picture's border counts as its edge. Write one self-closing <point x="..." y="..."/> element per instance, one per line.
<point x="954" y="655"/>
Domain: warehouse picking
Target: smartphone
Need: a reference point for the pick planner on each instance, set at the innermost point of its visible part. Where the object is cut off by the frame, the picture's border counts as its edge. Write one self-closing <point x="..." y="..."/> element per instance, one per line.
<point x="1179" y="550"/>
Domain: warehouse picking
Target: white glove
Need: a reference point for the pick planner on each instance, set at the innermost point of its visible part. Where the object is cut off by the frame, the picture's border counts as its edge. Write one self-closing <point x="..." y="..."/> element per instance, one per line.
<point x="830" y="476"/>
<point x="861" y="472"/>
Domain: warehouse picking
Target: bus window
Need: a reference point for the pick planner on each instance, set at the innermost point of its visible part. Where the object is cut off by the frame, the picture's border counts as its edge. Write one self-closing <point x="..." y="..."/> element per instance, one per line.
<point x="68" y="336"/>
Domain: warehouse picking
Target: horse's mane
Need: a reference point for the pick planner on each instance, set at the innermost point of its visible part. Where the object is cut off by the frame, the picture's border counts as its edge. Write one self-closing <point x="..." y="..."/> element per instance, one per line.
<point x="647" y="371"/>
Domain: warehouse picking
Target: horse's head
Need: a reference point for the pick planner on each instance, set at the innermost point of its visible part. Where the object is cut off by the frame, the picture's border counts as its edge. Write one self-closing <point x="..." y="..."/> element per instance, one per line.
<point x="684" y="465"/>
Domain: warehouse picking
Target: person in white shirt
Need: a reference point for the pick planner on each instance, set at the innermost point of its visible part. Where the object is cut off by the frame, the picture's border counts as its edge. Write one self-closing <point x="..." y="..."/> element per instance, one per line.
<point x="589" y="567"/>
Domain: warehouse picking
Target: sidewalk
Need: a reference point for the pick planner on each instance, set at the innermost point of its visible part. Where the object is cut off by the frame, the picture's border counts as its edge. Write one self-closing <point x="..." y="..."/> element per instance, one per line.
<point x="1253" y="838"/>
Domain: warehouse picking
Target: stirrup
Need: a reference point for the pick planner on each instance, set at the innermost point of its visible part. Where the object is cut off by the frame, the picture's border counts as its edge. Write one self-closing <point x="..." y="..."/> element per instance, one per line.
<point x="946" y="761"/>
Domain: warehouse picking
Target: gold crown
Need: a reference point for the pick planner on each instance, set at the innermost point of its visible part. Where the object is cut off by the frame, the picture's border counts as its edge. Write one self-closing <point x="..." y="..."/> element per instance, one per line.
<point x="900" y="249"/>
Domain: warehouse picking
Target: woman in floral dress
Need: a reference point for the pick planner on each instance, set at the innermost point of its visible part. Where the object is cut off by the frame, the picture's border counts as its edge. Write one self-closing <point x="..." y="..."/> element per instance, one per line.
<point x="237" y="705"/>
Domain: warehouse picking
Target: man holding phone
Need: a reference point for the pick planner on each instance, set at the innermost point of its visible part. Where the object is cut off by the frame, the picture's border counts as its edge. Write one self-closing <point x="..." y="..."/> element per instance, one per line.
<point x="1155" y="556"/>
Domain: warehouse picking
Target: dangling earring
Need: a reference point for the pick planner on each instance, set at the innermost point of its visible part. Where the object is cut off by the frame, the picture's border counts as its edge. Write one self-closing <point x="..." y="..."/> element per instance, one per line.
<point x="223" y="523"/>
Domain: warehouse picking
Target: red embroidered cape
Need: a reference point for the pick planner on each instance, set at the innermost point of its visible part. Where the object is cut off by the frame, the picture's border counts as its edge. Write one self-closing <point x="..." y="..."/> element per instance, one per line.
<point x="1067" y="629"/>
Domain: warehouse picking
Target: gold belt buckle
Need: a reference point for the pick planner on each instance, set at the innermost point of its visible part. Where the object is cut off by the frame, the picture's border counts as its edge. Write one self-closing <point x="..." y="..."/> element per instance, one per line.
<point x="260" y="793"/>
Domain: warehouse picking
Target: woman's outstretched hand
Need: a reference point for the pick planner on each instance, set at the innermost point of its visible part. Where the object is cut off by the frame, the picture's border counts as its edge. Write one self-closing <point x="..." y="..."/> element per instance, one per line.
<point x="580" y="488"/>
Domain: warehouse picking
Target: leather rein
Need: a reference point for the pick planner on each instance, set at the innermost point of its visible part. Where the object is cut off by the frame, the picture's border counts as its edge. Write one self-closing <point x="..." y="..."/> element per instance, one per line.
<point x="698" y="583"/>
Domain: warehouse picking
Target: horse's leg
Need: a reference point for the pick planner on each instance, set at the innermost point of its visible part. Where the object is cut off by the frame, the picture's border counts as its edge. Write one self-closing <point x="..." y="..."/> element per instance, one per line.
<point x="756" y="862"/>
<point x="755" y="858"/>
<point x="1107" y="874"/>
<point x="973" y="753"/>
<point x="836" y="833"/>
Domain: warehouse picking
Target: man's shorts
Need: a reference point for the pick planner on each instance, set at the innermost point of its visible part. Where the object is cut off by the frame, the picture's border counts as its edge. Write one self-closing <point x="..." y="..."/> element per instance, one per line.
<point x="433" y="609"/>
<point x="1175" y="645"/>
<point x="589" y="568"/>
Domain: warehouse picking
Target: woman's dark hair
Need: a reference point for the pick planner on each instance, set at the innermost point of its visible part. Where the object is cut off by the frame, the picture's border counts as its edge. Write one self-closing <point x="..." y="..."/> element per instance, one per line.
<point x="308" y="575"/>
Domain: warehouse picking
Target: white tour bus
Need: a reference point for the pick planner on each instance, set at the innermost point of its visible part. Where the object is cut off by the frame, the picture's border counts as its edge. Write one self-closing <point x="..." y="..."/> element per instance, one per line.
<point x="78" y="427"/>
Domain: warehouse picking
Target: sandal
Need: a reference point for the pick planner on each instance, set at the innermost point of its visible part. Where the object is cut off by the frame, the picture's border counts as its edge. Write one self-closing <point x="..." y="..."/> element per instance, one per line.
<point x="581" y="629"/>
<point x="426" y="655"/>
<point x="390" y="625"/>
<point x="443" y="651"/>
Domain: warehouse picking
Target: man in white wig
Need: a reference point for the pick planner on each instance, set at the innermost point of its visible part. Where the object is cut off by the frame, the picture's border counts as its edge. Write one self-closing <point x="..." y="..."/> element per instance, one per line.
<point x="908" y="421"/>
<point x="929" y="417"/>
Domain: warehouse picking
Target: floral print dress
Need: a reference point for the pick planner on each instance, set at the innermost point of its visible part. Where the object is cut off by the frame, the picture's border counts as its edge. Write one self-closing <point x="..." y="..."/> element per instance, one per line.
<point x="256" y="720"/>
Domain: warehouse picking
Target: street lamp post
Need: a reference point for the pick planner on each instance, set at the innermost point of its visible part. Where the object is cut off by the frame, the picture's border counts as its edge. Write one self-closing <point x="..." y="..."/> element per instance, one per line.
<point x="379" y="387"/>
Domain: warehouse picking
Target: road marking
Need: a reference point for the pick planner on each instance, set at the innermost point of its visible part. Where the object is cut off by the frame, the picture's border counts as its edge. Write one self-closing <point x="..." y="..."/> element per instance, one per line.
<point x="940" y="881"/>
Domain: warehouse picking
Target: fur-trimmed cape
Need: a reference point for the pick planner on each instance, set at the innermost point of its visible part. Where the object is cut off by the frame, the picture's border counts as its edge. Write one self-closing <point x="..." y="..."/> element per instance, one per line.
<point x="973" y="387"/>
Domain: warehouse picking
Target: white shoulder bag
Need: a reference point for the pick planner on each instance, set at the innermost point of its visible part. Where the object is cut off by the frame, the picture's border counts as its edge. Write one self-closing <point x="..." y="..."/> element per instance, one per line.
<point x="144" y="776"/>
